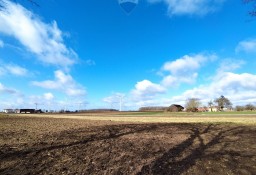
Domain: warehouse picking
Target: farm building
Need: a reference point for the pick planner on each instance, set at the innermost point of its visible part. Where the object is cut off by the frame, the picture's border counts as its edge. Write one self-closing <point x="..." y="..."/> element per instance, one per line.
<point x="8" y="111"/>
<point x="213" y="109"/>
<point x="26" y="111"/>
<point x="175" y="108"/>
<point x="203" y="109"/>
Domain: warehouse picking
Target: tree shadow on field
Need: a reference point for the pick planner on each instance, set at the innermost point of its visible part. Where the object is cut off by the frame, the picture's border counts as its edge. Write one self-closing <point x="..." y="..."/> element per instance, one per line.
<point x="180" y="158"/>
<point x="100" y="133"/>
<point x="104" y="150"/>
<point x="37" y="158"/>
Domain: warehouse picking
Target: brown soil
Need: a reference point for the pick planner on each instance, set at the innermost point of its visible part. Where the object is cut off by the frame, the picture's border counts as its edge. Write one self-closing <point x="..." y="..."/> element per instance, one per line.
<point x="68" y="146"/>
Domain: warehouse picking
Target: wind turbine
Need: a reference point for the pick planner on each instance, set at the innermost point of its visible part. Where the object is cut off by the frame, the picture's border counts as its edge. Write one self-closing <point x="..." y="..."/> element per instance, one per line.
<point x="120" y="96"/>
<point x="38" y="104"/>
<point x="81" y="104"/>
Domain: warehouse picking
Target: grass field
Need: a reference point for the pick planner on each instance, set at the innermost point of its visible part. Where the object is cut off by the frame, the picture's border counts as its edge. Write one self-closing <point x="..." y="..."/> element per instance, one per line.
<point x="248" y="118"/>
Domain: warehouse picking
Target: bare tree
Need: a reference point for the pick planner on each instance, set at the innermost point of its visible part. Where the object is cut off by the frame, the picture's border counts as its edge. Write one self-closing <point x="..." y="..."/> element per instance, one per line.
<point x="249" y="107"/>
<point x="192" y="104"/>
<point x="223" y="102"/>
<point x="34" y="3"/>
<point x="239" y="108"/>
<point x="210" y="103"/>
<point x="253" y="2"/>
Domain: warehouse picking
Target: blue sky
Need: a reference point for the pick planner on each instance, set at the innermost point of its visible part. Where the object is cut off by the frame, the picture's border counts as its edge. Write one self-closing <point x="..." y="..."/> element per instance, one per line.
<point x="88" y="54"/>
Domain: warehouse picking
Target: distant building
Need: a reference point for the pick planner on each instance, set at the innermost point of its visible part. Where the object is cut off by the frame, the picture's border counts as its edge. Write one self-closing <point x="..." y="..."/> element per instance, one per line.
<point x="8" y="111"/>
<point x="175" y="108"/>
<point x="30" y="111"/>
<point x="213" y="109"/>
<point x="227" y="109"/>
<point x="202" y="109"/>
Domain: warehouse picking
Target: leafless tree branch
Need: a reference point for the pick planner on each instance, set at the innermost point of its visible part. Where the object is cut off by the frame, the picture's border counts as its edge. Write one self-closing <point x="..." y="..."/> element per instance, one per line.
<point x="253" y="2"/>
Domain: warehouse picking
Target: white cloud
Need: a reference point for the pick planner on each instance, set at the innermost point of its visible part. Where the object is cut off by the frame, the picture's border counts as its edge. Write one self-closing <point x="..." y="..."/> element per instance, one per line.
<point x="63" y="82"/>
<point x="248" y="46"/>
<point x="6" y="90"/>
<point x="115" y="98"/>
<point x="16" y="70"/>
<point x="45" y="100"/>
<point x="184" y="64"/>
<point x="230" y="65"/>
<point x="110" y="99"/>
<point x="1" y="43"/>
<point x="184" y="70"/>
<point x="170" y="80"/>
<point x="145" y="90"/>
<point x="235" y="82"/>
<point x="12" y="69"/>
<point x="143" y="103"/>
<point x="191" y="7"/>
<point x="48" y="96"/>
<point x="239" y="88"/>
<point x="43" y="40"/>
<point x="145" y="93"/>
<point x="90" y="62"/>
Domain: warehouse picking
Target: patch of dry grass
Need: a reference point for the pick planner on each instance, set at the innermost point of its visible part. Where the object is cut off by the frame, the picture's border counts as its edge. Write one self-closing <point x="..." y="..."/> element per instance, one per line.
<point x="248" y="119"/>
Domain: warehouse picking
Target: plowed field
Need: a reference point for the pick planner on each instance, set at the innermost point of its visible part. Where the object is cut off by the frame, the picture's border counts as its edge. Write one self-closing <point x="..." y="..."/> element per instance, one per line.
<point x="32" y="145"/>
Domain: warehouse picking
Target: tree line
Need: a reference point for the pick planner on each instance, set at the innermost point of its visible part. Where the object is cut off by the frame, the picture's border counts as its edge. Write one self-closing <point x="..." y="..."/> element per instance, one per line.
<point x="248" y="107"/>
<point x="220" y="103"/>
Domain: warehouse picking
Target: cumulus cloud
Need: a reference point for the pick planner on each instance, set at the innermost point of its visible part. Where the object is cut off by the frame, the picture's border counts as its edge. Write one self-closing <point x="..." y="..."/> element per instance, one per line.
<point x="63" y="82"/>
<point x="40" y="101"/>
<point x="248" y="46"/>
<point x="190" y="7"/>
<point x="184" y="69"/>
<point x="146" y="90"/>
<point x="43" y="40"/>
<point x="1" y="43"/>
<point x="185" y="64"/>
<point x="235" y="82"/>
<point x="238" y="88"/>
<point x="48" y="96"/>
